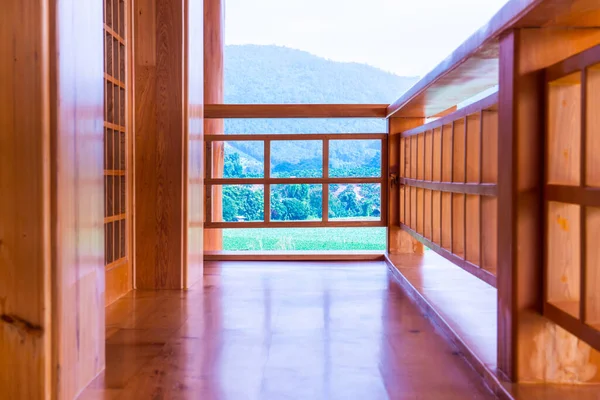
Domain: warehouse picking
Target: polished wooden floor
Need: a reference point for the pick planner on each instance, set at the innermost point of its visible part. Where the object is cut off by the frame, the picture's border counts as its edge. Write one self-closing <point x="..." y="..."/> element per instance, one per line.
<point x="280" y="331"/>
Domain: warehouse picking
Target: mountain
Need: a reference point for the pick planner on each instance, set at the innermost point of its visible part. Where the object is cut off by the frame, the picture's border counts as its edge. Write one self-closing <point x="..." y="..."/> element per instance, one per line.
<point x="271" y="74"/>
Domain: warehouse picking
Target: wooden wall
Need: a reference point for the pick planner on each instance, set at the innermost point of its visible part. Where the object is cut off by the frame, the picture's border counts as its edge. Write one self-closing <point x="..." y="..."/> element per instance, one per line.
<point x="195" y="141"/>
<point x="399" y="241"/>
<point x="51" y="224"/>
<point x="159" y="143"/>
<point x="25" y="258"/>
<point x="213" y="94"/>
<point x="531" y="348"/>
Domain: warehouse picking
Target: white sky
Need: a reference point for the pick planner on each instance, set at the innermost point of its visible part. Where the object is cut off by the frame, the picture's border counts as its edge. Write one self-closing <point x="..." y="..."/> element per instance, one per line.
<point x="400" y="36"/>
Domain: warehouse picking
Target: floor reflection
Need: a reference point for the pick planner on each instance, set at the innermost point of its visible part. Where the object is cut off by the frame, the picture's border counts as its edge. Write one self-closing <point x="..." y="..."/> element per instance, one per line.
<point x="292" y="330"/>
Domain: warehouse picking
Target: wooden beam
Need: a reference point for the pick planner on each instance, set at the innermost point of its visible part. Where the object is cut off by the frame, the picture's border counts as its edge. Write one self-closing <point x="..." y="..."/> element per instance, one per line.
<point x="159" y="144"/>
<point x="483" y="189"/>
<point x="218" y="111"/>
<point x="214" y="13"/>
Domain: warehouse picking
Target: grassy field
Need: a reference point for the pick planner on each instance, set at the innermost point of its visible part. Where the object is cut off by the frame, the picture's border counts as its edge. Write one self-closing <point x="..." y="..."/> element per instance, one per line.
<point x="282" y="239"/>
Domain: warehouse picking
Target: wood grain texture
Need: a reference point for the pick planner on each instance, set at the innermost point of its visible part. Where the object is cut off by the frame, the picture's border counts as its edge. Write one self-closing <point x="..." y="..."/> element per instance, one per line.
<point x="562" y="257"/>
<point x="593" y="127"/>
<point x="214" y="42"/>
<point x="159" y="146"/>
<point x="524" y="53"/>
<point x="593" y="266"/>
<point x="564" y="131"/>
<point x="219" y="111"/>
<point x="194" y="150"/>
<point x="25" y="259"/>
<point x="400" y="242"/>
<point x="76" y="65"/>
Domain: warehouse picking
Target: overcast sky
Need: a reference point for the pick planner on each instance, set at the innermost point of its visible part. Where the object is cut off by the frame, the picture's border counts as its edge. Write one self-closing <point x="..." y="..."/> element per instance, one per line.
<point x="400" y="36"/>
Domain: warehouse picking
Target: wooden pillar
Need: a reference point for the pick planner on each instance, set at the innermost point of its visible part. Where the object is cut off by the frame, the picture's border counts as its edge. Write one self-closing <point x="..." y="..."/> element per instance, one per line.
<point x="159" y="144"/>
<point x="530" y="347"/>
<point x="213" y="94"/>
<point x="399" y="241"/>
<point x="51" y="208"/>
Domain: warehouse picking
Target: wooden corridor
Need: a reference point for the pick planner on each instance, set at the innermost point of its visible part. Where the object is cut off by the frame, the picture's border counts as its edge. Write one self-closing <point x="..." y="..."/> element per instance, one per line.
<point x="294" y="330"/>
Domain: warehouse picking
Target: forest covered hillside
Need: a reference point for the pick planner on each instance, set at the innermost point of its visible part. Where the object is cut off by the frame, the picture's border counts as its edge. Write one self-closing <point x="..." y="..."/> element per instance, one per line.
<point x="271" y="74"/>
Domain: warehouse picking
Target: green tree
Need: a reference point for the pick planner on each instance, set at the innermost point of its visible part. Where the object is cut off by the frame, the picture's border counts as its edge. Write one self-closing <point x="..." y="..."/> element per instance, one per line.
<point x="232" y="167"/>
<point x="296" y="210"/>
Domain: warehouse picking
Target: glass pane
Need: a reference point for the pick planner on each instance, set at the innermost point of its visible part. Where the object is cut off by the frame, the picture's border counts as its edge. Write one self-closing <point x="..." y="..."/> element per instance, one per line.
<point x="240" y="203"/>
<point x="296" y="202"/>
<point x="354" y="158"/>
<point x="243" y="159"/>
<point x="304" y="239"/>
<point x="360" y="202"/>
<point x="297" y="159"/>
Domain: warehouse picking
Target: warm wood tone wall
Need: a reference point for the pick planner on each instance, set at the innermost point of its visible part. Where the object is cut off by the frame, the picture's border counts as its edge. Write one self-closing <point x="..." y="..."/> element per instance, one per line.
<point x="399" y="241"/>
<point x="51" y="224"/>
<point x="448" y="177"/>
<point x="195" y="141"/>
<point x="159" y="143"/>
<point x="213" y="94"/>
<point x="530" y="347"/>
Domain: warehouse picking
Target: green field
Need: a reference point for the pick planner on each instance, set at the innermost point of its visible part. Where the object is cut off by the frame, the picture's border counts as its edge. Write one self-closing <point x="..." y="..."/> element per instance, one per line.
<point x="316" y="239"/>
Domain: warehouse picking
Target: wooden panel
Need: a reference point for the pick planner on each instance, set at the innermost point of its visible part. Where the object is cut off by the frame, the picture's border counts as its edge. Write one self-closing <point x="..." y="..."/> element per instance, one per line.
<point x="428" y="156"/>
<point x="25" y="259"/>
<point x="489" y="168"/>
<point x="436" y="217"/>
<point x="427" y="215"/>
<point x="447" y="153"/>
<point x="214" y="13"/>
<point x="458" y="224"/>
<point x="437" y="154"/>
<point x="420" y="210"/>
<point x="592" y="274"/>
<point x="563" y="257"/>
<point x="473" y="148"/>
<point x="473" y="66"/>
<point x="489" y="233"/>
<point x="421" y="156"/>
<point x="472" y="234"/>
<point x="76" y="108"/>
<point x="458" y="153"/>
<point x="564" y="130"/>
<point x="159" y="147"/>
<point x="194" y="151"/>
<point x="447" y="220"/>
<point x="592" y="142"/>
<point x="118" y="282"/>
<point x="218" y="111"/>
